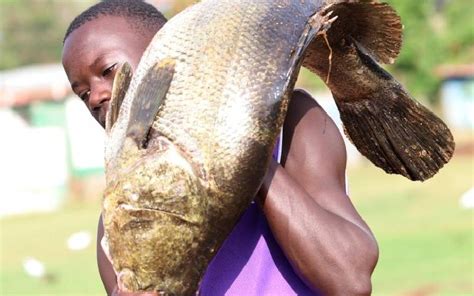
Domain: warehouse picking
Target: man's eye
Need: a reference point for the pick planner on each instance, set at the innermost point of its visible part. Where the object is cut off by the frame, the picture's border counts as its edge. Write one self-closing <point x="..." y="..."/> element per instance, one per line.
<point x="109" y="70"/>
<point x="85" y="95"/>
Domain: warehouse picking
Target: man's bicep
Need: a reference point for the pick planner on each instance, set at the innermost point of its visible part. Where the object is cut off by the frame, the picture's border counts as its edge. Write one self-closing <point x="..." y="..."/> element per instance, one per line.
<point x="317" y="160"/>
<point x="106" y="270"/>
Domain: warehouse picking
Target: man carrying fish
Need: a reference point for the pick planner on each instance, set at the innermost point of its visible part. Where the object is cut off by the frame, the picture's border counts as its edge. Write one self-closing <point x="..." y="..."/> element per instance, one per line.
<point x="302" y="236"/>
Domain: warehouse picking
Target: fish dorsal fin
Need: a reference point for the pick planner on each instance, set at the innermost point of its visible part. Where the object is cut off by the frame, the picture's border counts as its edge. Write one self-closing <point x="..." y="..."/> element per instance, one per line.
<point x="148" y="99"/>
<point x="376" y="27"/>
<point x="119" y="89"/>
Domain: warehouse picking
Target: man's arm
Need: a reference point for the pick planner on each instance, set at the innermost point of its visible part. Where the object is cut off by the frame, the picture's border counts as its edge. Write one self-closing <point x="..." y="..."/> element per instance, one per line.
<point x="106" y="270"/>
<point x="305" y="203"/>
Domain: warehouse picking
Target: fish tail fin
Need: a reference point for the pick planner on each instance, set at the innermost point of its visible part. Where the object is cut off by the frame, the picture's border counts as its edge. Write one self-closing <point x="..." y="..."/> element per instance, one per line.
<point x="396" y="133"/>
<point x="385" y="124"/>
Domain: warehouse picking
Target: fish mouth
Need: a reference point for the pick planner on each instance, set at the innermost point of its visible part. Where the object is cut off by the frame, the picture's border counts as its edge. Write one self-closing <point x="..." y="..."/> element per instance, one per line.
<point x="143" y="214"/>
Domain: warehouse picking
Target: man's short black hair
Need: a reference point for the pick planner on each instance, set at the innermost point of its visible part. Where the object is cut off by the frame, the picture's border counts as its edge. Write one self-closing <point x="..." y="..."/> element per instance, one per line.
<point x="142" y="15"/>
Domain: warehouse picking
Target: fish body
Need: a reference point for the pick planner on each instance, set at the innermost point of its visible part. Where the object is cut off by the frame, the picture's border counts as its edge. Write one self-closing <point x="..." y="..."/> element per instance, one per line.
<point x="190" y="136"/>
<point x="169" y="207"/>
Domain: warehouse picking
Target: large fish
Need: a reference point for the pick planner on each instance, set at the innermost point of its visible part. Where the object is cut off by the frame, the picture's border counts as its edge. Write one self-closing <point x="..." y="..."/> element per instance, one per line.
<point x="189" y="136"/>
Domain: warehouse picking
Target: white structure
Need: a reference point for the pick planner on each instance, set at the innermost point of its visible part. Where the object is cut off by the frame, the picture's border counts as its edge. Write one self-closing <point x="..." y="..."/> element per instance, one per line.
<point x="47" y="138"/>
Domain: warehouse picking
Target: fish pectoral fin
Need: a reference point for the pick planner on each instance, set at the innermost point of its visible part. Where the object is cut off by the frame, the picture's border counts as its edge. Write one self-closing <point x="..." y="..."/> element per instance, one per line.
<point x="148" y="99"/>
<point x="119" y="89"/>
<point x="376" y="27"/>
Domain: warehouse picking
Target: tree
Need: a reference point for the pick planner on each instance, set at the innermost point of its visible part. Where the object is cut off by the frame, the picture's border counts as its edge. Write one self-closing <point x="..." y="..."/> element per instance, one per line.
<point x="31" y="31"/>
<point x="435" y="32"/>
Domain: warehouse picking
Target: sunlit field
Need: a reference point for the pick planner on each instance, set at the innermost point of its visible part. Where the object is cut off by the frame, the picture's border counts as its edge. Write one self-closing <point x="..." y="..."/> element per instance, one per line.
<point x="425" y="237"/>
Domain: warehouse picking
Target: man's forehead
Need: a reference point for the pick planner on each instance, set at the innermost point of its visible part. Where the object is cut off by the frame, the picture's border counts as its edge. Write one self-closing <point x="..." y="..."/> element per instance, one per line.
<point x="103" y="25"/>
<point x="106" y="35"/>
<point x="98" y="37"/>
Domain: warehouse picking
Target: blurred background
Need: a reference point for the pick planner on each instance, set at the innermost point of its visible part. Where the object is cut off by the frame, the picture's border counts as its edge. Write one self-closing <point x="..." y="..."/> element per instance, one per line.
<point x="51" y="158"/>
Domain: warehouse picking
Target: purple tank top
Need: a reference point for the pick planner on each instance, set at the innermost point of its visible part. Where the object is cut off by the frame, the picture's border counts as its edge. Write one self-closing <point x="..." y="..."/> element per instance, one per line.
<point x="250" y="262"/>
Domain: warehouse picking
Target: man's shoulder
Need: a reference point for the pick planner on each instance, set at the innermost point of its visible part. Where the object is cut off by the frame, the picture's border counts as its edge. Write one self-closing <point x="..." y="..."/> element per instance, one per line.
<point x="309" y="131"/>
<point x="302" y="105"/>
<point x="301" y="97"/>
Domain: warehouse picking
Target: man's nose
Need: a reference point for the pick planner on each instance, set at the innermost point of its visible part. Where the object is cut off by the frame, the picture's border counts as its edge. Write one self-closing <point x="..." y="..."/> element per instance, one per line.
<point x="100" y="95"/>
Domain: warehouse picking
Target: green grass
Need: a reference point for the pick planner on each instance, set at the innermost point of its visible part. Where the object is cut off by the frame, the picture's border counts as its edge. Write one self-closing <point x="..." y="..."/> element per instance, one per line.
<point x="425" y="238"/>
<point x="44" y="237"/>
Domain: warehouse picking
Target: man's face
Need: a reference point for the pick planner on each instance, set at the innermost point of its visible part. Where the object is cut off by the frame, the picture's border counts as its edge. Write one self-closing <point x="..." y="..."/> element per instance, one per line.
<point x="93" y="53"/>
